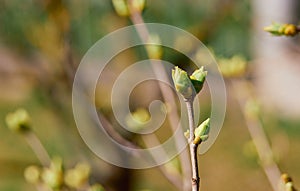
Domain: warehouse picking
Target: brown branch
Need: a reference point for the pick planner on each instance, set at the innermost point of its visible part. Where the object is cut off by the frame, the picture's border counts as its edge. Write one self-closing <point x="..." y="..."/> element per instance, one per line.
<point x="38" y="148"/>
<point x="193" y="147"/>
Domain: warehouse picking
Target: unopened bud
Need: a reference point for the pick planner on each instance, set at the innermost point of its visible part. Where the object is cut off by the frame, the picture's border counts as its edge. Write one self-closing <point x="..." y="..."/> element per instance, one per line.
<point x="137" y="5"/>
<point x="138" y="119"/>
<point x="278" y="29"/>
<point x="18" y="121"/>
<point x="198" y="77"/>
<point x="78" y="176"/>
<point x="53" y="176"/>
<point x="121" y="7"/>
<point x="202" y="131"/>
<point x="96" y="187"/>
<point x="32" y="174"/>
<point x="182" y="83"/>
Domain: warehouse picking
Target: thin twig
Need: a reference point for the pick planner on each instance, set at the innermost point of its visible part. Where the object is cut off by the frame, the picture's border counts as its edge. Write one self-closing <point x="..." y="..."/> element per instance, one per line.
<point x="38" y="148"/>
<point x="172" y="178"/>
<point x="193" y="147"/>
<point x="168" y="97"/>
<point x="115" y="135"/>
<point x="258" y="135"/>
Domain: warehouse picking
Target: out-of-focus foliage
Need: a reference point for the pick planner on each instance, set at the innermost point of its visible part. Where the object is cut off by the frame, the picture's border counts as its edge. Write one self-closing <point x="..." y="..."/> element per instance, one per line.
<point x="40" y="42"/>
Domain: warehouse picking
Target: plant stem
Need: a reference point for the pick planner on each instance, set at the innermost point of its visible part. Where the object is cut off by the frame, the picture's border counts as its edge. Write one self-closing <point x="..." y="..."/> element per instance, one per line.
<point x="243" y="91"/>
<point x="168" y="97"/>
<point x="173" y="179"/>
<point x="193" y="147"/>
<point x="38" y="148"/>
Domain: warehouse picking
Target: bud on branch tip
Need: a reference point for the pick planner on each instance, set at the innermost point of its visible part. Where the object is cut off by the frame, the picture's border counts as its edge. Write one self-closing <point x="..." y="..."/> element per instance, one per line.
<point x="188" y="86"/>
<point x="18" y="121"/>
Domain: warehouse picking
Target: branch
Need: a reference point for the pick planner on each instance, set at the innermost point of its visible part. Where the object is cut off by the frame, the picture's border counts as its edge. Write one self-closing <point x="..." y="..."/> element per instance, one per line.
<point x="38" y="148"/>
<point x="193" y="147"/>
<point x="173" y="179"/>
<point x="168" y="97"/>
<point x="257" y="134"/>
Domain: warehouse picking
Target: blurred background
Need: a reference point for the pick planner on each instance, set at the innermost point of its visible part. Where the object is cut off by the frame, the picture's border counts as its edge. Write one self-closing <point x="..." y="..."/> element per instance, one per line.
<point x="42" y="43"/>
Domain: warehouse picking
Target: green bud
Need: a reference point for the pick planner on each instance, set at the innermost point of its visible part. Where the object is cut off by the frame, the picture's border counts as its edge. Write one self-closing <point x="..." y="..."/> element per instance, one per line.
<point x="77" y="177"/>
<point x="187" y="134"/>
<point x="182" y="83"/>
<point x="138" y="119"/>
<point x="279" y="29"/>
<point x="138" y="5"/>
<point x="275" y="29"/>
<point x="32" y="174"/>
<point x="53" y="176"/>
<point x="286" y="178"/>
<point x="202" y="131"/>
<point x="18" y="121"/>
<point x="154" y="50"/>
<point x="96" y="187"/>
<point x="121" y="8"/>
<point x="290" y="187"/>
<point x="198" y="78"/>
<point x="233" y="67"/>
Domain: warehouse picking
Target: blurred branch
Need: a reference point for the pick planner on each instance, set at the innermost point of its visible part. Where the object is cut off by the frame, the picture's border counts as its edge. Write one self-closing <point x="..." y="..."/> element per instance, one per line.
<point x="172" y="178"/>
<point x="115" y="135"/>
<point x="38" y="148"/>
<point x="167" y="94"/>
<point x="243" y="92"/>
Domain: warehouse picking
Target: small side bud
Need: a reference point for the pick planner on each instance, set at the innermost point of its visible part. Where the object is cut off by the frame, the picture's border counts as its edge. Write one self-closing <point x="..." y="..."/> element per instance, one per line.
<point x="121" y="8"/>
<point x="78" y="176"/>
<point x="290" y="30"/>
<point x="279" y="29"/>
<point x="32" y="174"/>
<point x="138" y="5"/>
<point x="198" y="78"/>
<point x="96" y="187"/>
<point x="53" y="176"/>
<point x="182" y="83"/>
<point x="233" y="67"/>
<point x="288" y="182"/>
<point x="153" y="48"/>
<point x="137" y="119"/>
<point x="18" y="121"/>
<point x="187" y="134"/>
<point x="290" y="187"/>
<point x="202" y="131"/>
<point x="286" y="178"/>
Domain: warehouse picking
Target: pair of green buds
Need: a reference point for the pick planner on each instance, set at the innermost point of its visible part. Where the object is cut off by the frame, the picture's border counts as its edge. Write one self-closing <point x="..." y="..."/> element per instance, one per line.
<point x="188" y="86"/>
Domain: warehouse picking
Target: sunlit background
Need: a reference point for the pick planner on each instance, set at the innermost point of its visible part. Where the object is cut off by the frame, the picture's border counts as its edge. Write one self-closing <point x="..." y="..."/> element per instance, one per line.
<point x="42" y="43"/>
